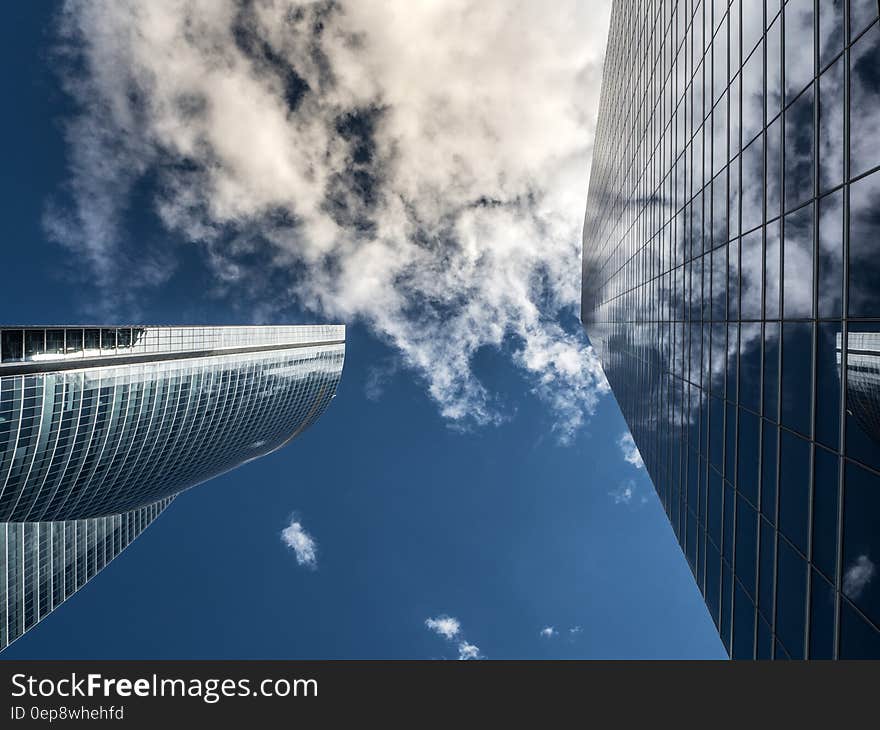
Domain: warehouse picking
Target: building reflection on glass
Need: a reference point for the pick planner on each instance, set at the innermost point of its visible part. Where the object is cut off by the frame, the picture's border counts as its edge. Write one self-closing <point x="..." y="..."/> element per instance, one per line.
<point x="863" y="379"/>
<point x="732" y="231"/>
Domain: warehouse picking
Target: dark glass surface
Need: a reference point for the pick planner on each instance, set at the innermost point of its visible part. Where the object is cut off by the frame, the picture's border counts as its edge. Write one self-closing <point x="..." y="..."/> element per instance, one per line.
<point x="747" y="546"/>
<point x="739" y="279"/>
<point x="822" y="601"/>
<point x="791" y="592"/>
<point x="861" y="541"/>
<point x="743" y="624"/>
<point x="864" y="263"/>
<point x="794" y="489"/>
<point x="825" y="491"/>
<point x="12" y="345"/>
<point x="859" y="639"/>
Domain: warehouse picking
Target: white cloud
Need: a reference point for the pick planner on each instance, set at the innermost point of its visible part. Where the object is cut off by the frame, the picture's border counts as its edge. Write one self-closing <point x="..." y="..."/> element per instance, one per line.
<point x="623" y="494"/>
<point x="302" y="544"/>
<point x="446" y="626"/>
<point x="418" y="167"/>
<point x="575" y="630"/>
<point x="548" y="632"/>
<point x="450" y="629"/>
<point x="857" y="576"/>
<point x="630" y="451"/>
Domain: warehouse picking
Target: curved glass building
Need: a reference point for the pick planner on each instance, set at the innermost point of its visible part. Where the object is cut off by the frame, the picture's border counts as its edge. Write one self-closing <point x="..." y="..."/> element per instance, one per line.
<point x="101" y="426"/>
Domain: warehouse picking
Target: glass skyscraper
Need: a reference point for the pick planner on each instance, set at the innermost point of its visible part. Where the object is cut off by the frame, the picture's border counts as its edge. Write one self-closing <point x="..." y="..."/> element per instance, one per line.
<point x="101" y="427"/>
<point x="731" y="288"/>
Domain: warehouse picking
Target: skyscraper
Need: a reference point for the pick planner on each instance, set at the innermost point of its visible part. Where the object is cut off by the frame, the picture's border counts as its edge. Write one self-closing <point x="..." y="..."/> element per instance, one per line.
<point x="101" y="427"/>
<point x="731" y="248"/>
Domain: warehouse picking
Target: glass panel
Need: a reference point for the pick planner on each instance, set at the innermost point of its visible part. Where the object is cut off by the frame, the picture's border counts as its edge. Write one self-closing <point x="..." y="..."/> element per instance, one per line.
<point x="864" y="263"/>
<point x="774" y="69"/>
<point x="861" y="14"/>
<point x="796" y="380"/>
<point x="726" y="601"/>
<point x="719" y="284"/>
<point x="34" y="342"/>
<point x="730" y="442"/>
<point x="752" y="24"/>
<point x="799" y="151"/>
<point x="716" y="430"/>
<point x="750" y="366"/>
<point x="774" y="169"/>
<point x="747" y="456"/>
<point x="55" y="341"/>
<point x="753" y="193"/>
<point x="798" y="48"/>
<point x="771" y="369"/>
<point x="831" y="255"/>
<point x="768" y="471"/>
<point x="831" y="106"/>
<point x="861" y="540"/>
<point x="791" y="599"/>
<point x="733" y="281"/>
<point x="767" y="575"/>
<point x="108" y="339"/>
<point x="797" y="290"/>
<point x="719" y="209"/>
<point x="863" y="394"/>
<point x="772" y="271"/>
<point x="12" y="345"/>
<point x="743" y="624"/>
<point x="74" y="340"/>
<point x="715" y="508"/>
<point x="729" y="510"/>
<point x="828" y="385"/>
<point x="864" y="152"/>
<point x="858" y="639"/>
<point x="830" y="30"/>
<point x="765" y="640"/>
<point x="821" y="618"/>
<point x="825" y="488"/>
<point x="713" y="581"/>
<point x="91" y="340"/>
<point x="752" y="96"/>
<point x="794" y="489"/>
<point x="752" y="275"/>
<point x="747" y="546"/>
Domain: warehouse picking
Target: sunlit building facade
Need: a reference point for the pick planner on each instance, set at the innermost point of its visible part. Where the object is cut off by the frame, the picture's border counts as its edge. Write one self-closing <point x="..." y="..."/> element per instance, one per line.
<point x="731" y="248"/>
<point x="101" y="427"/>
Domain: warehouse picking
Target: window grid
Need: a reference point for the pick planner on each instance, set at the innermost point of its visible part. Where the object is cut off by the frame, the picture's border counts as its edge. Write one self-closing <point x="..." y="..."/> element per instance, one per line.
<point x="728" y="257"/>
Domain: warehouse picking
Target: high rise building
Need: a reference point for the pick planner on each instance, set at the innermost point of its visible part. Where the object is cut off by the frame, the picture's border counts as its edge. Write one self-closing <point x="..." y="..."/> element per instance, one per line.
<point x="731" y="248"/>
<point x="101" y="427"/>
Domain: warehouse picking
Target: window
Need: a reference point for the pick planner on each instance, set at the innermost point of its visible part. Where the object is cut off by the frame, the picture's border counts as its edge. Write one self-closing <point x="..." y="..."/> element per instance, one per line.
<point x="825" y="489"/>
<point x="794" y="489"/>
<point x="747" y="546"/>
<point x="791" y="597"/>
<point x="861" y="540"/>
<point x="864" y="264"/>
<point x="797" y="381"/>
<point x="34" y="343"/>
<point x="822" y="600"/>
<point x="12" y="345"/>
<point x="74" y="340"/>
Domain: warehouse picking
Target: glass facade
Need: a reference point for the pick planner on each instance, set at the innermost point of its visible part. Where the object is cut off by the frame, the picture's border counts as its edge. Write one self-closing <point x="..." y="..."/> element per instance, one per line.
<point x="42" y="564"/>
<point x="99" y="425"/>
<point x="731" y="247"/>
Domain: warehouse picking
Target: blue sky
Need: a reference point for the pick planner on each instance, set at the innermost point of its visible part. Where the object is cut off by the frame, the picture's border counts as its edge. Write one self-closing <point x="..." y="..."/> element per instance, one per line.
<point x="510" y="523"/>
